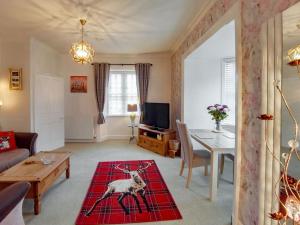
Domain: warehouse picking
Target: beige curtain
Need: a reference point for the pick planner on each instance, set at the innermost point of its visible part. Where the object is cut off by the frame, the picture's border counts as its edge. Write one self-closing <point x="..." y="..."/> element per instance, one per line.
<point x="101" y="71"/>
<point x="143" y="75"/>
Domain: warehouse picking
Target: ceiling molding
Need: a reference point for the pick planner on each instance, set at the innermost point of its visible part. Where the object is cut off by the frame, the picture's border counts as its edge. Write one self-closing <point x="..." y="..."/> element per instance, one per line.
<point x="192" y="25"/>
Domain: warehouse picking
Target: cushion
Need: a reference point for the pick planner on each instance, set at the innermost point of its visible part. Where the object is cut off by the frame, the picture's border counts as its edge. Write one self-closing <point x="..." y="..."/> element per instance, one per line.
<point x="7" y="140"/>
<point x="12" y="157"/>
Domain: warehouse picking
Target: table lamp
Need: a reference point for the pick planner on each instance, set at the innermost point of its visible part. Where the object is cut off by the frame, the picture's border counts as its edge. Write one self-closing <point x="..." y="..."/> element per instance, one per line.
<point x="132" y="108"/>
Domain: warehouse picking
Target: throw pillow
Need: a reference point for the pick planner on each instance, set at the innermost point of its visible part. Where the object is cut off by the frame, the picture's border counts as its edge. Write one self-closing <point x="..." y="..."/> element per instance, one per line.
<point x="7" y="140"/>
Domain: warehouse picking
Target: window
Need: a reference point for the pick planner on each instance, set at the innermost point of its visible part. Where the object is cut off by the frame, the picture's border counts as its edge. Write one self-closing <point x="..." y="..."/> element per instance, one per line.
<point x="228" y="88"/>
<point x="122" y="90"/>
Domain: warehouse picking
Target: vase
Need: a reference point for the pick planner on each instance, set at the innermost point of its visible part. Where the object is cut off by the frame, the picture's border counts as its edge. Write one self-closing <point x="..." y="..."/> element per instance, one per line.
<point x="218" y="125"/>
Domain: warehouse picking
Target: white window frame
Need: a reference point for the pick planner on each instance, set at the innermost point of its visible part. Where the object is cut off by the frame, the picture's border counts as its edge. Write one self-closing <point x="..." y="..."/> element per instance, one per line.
<point x="224" y="61"/>
<point x="122" y="71"/>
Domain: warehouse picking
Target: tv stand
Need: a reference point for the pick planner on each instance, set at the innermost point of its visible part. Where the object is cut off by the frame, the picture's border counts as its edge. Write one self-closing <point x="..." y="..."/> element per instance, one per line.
<point x="155" y="139"/>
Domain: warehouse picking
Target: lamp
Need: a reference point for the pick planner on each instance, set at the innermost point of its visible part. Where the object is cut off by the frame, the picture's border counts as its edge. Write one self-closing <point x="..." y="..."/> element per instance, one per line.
<point x="82" y="52"/>
<point x="294" y="57"/>
<point x="132" y="108"/>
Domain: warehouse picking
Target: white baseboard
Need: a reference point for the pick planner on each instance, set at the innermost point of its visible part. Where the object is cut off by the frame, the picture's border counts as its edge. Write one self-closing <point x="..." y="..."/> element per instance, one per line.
<point x="80" y="140"/>
<point x="114" y="137"/>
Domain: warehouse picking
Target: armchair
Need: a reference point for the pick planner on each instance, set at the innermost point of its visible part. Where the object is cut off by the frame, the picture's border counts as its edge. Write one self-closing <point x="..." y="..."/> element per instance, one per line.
<point x="11" y="201"/>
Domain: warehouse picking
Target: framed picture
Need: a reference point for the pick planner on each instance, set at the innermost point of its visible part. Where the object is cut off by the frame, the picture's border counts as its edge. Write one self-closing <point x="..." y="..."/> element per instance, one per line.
<point x="15" y="79"/>
<point x="78" y="84"/>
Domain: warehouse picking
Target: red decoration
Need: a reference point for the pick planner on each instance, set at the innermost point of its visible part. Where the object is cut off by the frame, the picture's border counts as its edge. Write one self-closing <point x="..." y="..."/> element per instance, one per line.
<point x="288" y="198"/>
<point x="110" y="180"/>
<point x="7" y="140"/>
<point x="265" y="117"/>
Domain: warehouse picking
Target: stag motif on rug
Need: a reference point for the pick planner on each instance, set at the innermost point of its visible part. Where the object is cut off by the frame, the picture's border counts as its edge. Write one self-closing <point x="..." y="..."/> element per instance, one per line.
<point x="133" y="187"/>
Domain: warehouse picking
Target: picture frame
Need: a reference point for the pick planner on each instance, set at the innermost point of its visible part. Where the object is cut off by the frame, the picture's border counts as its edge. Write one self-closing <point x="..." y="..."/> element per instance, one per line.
<point x="78" y="84"/>
<point x="15" y="79"/>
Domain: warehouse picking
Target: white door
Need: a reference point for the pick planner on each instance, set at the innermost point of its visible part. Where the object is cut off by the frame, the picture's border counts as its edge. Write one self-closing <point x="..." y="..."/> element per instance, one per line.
<point x="49" y="112"/>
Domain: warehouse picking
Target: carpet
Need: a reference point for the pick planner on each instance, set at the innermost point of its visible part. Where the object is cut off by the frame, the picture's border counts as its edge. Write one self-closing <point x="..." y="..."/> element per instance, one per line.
<point x="127" y="192"/>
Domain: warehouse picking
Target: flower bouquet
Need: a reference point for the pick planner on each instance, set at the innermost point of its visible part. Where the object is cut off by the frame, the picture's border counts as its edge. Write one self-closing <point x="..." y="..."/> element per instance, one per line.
<point x="219" y="113"/>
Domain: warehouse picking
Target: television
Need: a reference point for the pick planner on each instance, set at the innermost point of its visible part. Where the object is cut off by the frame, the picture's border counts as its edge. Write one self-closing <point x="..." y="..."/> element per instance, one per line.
<point x="157" y="115"/>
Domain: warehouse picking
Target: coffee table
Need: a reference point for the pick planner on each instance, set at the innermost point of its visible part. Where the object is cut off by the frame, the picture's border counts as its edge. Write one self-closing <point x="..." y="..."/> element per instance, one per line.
<point x="39" y="175"/>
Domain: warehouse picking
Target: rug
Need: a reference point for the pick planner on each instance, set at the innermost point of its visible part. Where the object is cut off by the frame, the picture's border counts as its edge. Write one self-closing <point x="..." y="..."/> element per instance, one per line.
<point x="127" y="192"/>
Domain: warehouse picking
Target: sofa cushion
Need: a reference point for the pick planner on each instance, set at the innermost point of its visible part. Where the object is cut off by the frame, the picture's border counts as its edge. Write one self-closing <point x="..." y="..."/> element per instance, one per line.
<point x="7" y="140"/>
<point x="12" y="157"/>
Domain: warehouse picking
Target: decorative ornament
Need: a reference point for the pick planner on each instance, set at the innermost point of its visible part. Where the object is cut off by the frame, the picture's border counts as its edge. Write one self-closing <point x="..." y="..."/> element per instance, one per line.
<point x="82" y="52"/>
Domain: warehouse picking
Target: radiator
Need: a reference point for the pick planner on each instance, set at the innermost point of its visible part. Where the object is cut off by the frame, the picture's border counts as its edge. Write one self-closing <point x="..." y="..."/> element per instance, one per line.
<point x="79" y="128"/>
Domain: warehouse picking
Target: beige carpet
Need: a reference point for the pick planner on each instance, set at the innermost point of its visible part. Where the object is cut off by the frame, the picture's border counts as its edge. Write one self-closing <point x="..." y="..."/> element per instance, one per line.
<point x="61" y="204"/>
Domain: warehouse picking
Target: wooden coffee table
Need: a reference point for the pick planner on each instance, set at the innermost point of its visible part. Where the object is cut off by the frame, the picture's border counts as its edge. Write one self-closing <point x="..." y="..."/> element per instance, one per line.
<point x="39" y="175"/>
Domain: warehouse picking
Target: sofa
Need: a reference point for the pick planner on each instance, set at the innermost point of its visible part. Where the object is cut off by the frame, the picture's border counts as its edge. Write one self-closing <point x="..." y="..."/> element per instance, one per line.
<point x="11" y="201"/>
<point x="25" y="147"/>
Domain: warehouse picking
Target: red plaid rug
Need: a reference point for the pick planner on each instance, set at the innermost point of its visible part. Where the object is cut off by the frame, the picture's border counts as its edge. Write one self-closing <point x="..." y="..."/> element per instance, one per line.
<point x="127" y="192"/>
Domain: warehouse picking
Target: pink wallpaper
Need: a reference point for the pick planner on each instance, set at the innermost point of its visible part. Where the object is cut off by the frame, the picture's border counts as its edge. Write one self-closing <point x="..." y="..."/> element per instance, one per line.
<point x="253" y="14"/>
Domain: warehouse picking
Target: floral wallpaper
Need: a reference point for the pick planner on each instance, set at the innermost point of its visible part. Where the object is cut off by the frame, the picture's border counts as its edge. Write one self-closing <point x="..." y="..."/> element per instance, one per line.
<point x="253" y="14"/>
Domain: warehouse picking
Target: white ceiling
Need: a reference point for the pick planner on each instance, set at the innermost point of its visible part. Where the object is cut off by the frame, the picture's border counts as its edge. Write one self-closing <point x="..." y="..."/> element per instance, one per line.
<point x="220" y="45"/>
<point x="291" y="27"/>
<point x="114" y="26"/>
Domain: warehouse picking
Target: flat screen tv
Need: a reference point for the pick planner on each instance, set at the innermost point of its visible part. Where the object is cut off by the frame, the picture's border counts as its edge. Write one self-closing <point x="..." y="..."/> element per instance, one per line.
<point x="157" y="115"/>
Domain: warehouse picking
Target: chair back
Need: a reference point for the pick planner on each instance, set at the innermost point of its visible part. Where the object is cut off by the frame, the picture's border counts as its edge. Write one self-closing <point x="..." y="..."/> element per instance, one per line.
<point x="186" y="143"/>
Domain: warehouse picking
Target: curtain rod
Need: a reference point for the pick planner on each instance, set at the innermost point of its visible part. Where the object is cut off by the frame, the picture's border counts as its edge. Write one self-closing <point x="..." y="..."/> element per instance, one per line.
<point x="116" y="64"/>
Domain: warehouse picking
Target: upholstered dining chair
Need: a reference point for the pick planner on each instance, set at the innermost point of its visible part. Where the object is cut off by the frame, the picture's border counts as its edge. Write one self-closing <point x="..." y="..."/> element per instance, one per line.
<point x="231" y="129"/>
<point x="190" y="157"/>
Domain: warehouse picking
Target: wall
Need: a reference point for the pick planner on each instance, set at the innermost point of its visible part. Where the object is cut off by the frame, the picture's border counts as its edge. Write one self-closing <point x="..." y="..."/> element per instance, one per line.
<point x="203" y="77"/>
<point x="47" y="91"/>
<point x="253" y="15"/>
<point x="84" y="105"/>
<point x="290" y="88"/>
<point x="15" y="112"/>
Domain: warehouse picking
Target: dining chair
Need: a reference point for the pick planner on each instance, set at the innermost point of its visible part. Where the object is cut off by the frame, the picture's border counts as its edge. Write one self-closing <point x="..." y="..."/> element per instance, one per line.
<point x="190" y="157"/>
<point x="231" y="129"/>
<point x="222" y="162"/>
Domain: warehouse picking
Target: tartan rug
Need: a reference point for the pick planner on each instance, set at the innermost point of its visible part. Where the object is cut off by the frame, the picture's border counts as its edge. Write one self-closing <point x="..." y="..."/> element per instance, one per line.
<point x="112" y="180"/>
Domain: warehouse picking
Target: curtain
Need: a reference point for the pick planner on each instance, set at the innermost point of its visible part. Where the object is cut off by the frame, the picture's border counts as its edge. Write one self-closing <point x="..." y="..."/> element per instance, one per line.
<point x="101" y="71"/>
<point x="142" y="74"/>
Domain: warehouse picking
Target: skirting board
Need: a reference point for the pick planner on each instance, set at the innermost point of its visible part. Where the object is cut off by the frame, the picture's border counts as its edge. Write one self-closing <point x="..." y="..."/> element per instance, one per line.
<point x="114" y="137"/>
<point x="101" y="139"/>
<point x="80" y="140"/>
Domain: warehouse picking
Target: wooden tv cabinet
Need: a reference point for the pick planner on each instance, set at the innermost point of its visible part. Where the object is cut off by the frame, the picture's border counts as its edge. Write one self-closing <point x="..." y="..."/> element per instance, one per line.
<point x="155" y="140"/>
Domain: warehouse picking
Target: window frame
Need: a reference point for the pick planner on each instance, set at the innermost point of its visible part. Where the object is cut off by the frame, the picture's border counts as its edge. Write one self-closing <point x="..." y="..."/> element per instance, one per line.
<point x="122" y="71"/>
<point x="223" y="65"/>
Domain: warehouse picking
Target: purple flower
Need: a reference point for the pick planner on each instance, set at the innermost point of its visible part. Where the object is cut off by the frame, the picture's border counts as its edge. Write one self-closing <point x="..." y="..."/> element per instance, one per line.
<point x="225" y="106"/>
<point x="216" y="105"/>
<point x="219" y="107"/>
<point x="209" y="107"/>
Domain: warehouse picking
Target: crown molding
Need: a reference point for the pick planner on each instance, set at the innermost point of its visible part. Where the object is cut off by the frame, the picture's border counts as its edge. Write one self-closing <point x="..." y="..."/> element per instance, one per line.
<point x="202" y="12"/>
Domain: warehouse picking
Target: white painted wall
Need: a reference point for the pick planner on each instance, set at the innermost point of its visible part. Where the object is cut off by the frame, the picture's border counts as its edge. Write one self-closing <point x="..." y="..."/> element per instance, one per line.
<point x="203" y="77"/>
<point x="47" y="96"/>
<point x="291" y="90"/>
<point x="83" y="105"/>
<point x="15" y="112"/>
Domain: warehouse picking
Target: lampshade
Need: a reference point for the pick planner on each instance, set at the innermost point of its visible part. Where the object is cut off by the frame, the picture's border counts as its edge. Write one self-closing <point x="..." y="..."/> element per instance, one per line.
<point x="294" y="56"/>
<point x="132" y="107"/>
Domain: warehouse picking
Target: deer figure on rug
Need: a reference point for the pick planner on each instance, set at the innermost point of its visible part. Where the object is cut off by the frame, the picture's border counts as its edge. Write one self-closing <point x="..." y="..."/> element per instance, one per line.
<point x="126" y="187"/>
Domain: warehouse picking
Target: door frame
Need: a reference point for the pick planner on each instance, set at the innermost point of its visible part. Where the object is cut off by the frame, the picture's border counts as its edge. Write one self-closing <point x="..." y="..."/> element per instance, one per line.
<point x="233" y="14"/>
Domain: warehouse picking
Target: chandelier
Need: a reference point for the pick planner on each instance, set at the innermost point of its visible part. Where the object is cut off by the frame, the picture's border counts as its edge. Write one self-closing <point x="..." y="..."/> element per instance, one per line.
<point x="82" y="52"/>
<point x="294" y="57"/>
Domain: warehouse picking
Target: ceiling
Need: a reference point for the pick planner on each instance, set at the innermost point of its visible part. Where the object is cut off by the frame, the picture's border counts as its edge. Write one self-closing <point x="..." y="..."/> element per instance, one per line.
<point x="220" y="45"/>
<point x="291" y="27"/>
<point x="114" y="26"/>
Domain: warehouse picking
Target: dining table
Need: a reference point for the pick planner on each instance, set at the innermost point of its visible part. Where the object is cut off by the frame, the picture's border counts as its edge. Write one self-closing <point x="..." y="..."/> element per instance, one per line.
<point x="216" y="143"/>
